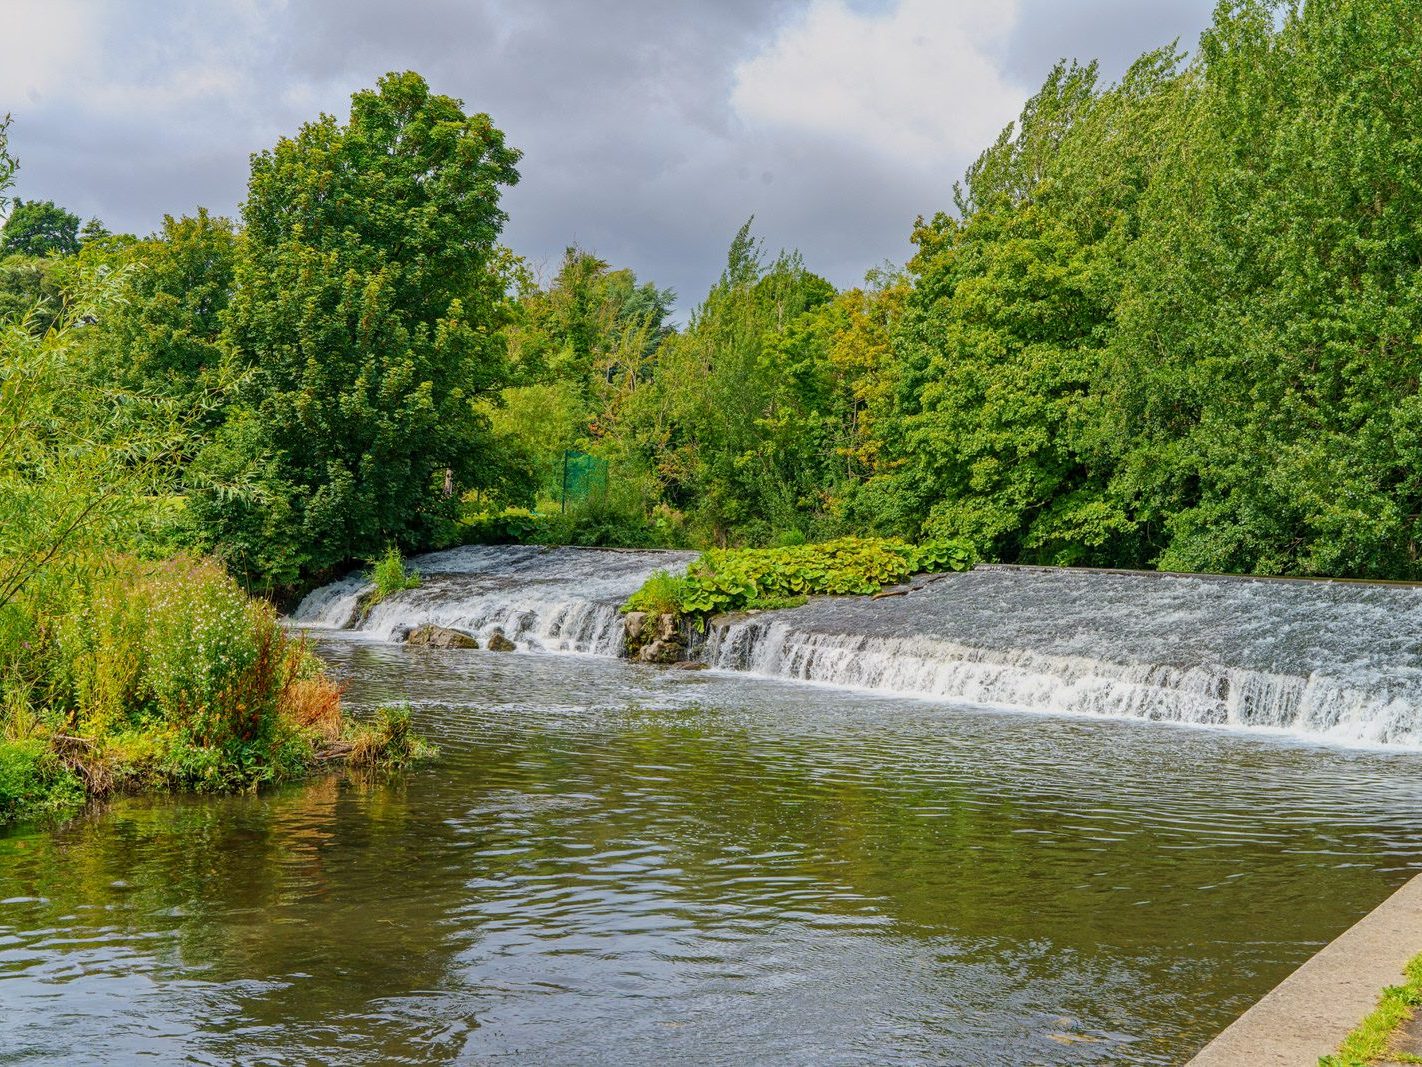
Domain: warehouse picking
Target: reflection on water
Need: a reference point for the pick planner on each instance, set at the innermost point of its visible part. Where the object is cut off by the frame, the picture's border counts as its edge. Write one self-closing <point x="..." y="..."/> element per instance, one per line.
<point x="617" y="865"/>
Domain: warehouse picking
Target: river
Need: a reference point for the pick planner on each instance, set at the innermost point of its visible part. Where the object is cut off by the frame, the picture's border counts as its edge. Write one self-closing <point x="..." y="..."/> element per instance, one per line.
<point x="616" y="864"/>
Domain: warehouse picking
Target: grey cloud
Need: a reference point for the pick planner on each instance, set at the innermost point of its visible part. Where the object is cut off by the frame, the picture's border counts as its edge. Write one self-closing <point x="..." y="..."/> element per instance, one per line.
<point x="630" y="145"/>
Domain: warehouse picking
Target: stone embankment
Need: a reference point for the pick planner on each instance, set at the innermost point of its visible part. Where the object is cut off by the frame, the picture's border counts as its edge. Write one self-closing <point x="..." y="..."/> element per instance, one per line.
<point x="1309" y="1013"/>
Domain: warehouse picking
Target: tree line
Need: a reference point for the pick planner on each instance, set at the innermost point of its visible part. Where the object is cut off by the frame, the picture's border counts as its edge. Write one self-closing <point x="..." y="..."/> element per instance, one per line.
<point x="1171" y="321"/>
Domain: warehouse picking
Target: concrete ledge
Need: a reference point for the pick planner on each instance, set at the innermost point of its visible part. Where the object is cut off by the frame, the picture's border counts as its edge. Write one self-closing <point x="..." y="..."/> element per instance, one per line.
<point x="1310" y="1012"/>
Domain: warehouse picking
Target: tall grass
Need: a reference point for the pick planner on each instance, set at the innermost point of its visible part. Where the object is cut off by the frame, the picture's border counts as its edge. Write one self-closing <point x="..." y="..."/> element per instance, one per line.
<point x="153" y="674"/>
<point x="390" y="574"/>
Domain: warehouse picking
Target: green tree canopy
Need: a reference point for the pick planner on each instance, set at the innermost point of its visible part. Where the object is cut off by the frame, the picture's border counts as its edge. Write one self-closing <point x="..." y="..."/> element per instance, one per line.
<point x="366" y="318"/>
<point x="39" y="228"/>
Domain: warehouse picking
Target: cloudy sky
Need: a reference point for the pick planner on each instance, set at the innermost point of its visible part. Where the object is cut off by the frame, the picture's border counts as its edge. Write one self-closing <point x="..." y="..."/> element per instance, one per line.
<point x="651" y="129"/>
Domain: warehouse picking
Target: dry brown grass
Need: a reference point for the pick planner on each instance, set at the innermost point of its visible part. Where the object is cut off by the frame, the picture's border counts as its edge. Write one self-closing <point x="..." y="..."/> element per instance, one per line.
<point x="314" y="704"/>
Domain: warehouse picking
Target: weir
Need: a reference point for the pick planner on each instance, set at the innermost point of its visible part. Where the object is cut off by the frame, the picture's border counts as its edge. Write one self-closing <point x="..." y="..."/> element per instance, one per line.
<point x="545" y="599"/>
<point x="1333" y="661"/>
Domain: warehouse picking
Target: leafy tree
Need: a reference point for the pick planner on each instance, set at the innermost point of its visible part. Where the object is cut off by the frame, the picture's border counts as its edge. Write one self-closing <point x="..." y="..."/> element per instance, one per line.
<point x="366" y="317"/>
<point x="708" y="424"/>
<point x="32" y="291"/>
<point x="1002" y="338"/>
<point x="592" y="325"/>
<point x="165" y="337"/>
<point x="579" y="347"/>
<point x="39" y="228"/>
<point x="1264" y="376"/>
<point x="93" y="230"/>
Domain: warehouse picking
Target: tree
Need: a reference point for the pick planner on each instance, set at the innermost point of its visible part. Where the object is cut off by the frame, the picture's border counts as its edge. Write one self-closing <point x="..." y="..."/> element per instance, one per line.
<point x="39" y="228"/>
<point x="1264" y="373"/>
<point x="581" y="346"/>
<point x="84" y="466"/>
<point x="166" y="335"/>
<point x="93" y="230"/>
<point x="366" y="320"/>
<point x="710" y="424"/>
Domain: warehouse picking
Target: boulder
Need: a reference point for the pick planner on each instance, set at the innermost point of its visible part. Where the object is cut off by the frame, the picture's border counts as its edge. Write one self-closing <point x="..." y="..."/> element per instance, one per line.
<point x="660" y="652"/>
<point x="653" y="638"/>
<point x="497" y="642"/>
<point x="439" y="637"/>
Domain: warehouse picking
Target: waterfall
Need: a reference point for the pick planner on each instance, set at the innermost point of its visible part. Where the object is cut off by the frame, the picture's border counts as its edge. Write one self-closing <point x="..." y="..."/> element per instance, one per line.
<point x="1339" y="661"/>
<point x="1324" y="660"/>
<point x="548" y="599"/>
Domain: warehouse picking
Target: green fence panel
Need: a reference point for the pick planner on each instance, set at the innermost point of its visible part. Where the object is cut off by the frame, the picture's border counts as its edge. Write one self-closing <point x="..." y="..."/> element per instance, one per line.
<point x="584" y="476"/>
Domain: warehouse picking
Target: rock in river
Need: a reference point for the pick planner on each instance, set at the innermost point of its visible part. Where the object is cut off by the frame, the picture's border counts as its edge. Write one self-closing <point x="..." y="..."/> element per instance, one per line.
<point x="440" y="637"/>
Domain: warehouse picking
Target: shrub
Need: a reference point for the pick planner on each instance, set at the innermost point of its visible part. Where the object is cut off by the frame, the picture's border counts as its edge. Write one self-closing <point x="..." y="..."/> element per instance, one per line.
<point x="140" y="674"/>
<point x="512" y="526"/>
<point x="594" y="522"/>
<point x="388" y="741"/>
<point x="661" y="594"/>
<point x="390" y="574"/>
<point x="34" y="781"/>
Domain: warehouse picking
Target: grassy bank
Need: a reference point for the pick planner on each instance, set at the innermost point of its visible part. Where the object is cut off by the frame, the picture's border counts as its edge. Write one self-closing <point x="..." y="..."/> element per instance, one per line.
<point x="1372" y="1041"/>
<point x="131" y="675"/>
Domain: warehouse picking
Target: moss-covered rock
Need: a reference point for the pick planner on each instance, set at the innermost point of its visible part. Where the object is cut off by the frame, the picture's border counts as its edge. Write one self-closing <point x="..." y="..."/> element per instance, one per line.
<point x="439" y="637"/>
<point x="497" y="642"/>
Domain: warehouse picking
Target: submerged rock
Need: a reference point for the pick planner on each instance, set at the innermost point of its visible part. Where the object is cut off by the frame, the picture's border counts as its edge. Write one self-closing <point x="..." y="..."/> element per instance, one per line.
<point x="497" y="642"/>
<point x="439" y="637"/>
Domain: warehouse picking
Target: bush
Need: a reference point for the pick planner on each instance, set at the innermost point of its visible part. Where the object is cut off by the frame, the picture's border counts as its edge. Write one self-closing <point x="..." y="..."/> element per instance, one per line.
<point x="388" y="741"/>
<point x="390" y="574"/>
<point x="661" y="594"/>
<point x="33" y="781"/>
<point x="512" y="526"/>
<point x="157" y="675"/>
<point x="737" y="579"/>
<point x="175" y="646"/>
<point x="594" y="522"/>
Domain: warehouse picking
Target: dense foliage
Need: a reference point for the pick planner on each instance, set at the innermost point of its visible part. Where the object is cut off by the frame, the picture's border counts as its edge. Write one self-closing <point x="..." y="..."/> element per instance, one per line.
<point x="123" y="663"/>
<point x="364" y="316"/>
<point x="1170" y="322"/>
<point x="39" y="228"/>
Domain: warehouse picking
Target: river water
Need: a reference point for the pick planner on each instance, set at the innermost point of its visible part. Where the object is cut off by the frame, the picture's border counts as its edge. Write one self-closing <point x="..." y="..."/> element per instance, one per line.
<point x="614" y="864"/>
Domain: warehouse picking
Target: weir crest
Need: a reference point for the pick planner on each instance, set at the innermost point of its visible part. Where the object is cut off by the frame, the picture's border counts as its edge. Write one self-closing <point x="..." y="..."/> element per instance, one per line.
<point x="1333" y="661"/>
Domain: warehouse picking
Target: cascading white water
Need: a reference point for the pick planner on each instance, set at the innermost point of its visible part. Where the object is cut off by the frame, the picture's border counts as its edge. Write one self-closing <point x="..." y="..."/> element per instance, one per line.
<point x="1328" y="660"/>
<point x="552" y="599"/>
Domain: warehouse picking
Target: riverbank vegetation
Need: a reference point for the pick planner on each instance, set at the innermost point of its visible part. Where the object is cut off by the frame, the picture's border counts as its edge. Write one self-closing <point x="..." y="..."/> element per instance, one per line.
<point x="1371" y="1042"/>
<point x="132" y="674"/>
<point x="1168" y="322"/>
<point x="762" y="578"/>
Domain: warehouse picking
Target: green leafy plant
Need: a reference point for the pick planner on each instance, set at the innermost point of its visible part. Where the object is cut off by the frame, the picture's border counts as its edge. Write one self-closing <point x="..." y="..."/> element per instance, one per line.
<point x="738" y="579"/>
<point x="511" y="526"/>
<point x="390" y="574"/>
<point x="661" y="594"/>
<point x="387" y="742"/>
